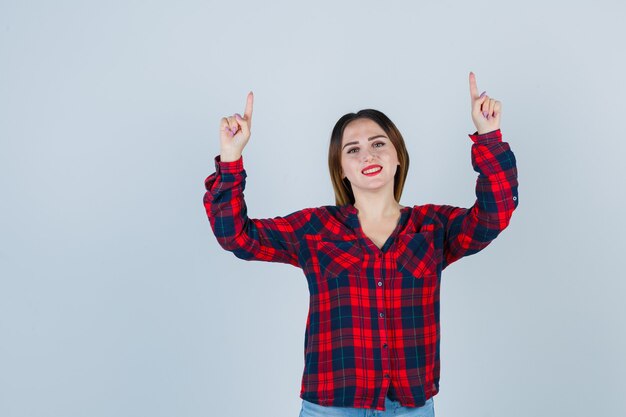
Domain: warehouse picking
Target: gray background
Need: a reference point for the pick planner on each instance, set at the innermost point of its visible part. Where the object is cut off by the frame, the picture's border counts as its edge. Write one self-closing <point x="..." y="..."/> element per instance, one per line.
<point x="115" y="299"/>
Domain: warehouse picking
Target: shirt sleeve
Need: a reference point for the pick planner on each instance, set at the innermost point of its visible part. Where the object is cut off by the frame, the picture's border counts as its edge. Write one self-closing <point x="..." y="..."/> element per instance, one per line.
<point x="469" y="230"/>
<point x="270" y="240"/>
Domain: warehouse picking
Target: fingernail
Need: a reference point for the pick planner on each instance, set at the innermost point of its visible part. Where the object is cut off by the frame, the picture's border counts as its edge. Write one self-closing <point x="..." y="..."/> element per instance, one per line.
<point x="485" y="114"/>
<point x="484" y="92"/>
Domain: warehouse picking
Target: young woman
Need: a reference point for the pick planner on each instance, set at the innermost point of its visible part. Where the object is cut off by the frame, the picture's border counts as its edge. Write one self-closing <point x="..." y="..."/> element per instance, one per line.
<point x="373" y="266"/>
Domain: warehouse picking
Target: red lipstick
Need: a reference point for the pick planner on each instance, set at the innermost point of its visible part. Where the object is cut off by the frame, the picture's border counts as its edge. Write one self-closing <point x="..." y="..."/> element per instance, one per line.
<point x="376" y="169"/>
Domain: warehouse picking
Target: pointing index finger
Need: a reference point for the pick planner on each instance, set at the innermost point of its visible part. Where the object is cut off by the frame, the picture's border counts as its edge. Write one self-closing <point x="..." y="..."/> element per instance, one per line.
<point x="473" y="87"/>
<point x="249" y="104"/>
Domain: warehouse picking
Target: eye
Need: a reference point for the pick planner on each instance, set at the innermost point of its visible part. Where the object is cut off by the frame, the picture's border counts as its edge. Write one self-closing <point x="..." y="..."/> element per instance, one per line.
<point x="352" y="149"/>
<point x="378" y="143"/>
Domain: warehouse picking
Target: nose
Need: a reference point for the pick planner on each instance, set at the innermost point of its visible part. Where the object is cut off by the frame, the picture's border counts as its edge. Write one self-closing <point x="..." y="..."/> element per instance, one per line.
<point x="369" y="155"/>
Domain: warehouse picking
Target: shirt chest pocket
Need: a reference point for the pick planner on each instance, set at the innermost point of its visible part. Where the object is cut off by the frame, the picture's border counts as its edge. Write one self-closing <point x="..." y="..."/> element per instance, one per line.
<point x="416" y="255"/>
<point x="339" y="258"/>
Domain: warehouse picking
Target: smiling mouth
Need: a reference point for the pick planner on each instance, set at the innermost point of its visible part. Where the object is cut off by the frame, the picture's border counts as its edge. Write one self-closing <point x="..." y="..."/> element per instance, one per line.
<point x="372" y="170"/>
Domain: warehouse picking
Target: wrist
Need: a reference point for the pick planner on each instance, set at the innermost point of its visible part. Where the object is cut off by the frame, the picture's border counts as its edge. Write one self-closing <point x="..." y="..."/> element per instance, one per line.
<point x="229" y="156"/>
<point x="227" y="166"/>
<point x="486" y="137"/>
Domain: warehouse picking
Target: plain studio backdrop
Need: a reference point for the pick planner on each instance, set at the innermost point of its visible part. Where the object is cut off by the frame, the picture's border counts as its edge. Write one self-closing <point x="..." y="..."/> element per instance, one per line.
<point x="115" y="298"/>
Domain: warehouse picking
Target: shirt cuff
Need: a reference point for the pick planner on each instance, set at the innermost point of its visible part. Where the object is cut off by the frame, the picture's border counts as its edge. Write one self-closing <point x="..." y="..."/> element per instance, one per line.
<point x="489" y="137"/>
<point x="232" y="167"/>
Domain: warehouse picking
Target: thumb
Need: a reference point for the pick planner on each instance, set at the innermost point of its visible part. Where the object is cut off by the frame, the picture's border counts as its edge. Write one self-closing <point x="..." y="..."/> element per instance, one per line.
<point x="479" y="102"/>
<point x="244" y="123"/>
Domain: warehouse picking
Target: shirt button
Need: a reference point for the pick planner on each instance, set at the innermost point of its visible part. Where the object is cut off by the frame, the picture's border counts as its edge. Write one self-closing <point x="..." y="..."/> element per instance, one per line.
<point x="386" y="375"/>
<point x="514" y="198"/>
<point x="380" y="283"/>
<point x="385" y="345"/>
<point x="381" y="314"/>
<point x="377" y="255"/>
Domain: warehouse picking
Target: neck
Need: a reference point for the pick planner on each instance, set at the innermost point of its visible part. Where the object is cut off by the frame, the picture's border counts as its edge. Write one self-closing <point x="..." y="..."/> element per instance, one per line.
<point x="374" y="207"/>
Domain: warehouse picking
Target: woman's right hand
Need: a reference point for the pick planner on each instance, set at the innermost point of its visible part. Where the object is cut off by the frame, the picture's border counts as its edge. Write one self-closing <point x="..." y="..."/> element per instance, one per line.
<point x="235" y="133"/>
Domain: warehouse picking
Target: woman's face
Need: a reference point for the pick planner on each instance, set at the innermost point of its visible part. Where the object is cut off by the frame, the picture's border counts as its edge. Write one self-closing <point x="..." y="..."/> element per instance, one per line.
<point x="368" y="158"/>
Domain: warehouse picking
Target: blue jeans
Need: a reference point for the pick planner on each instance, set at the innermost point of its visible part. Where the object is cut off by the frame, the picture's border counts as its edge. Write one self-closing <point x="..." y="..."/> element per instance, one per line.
<point x="392" y="408"/>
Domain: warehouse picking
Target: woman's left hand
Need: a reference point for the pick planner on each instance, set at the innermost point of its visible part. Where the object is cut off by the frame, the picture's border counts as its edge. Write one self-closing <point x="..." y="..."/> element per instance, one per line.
<point x="485" y="111"/>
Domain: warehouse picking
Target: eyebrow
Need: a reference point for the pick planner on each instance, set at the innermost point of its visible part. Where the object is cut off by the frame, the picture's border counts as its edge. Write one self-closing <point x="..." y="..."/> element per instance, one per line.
<point x="356" y="143"/>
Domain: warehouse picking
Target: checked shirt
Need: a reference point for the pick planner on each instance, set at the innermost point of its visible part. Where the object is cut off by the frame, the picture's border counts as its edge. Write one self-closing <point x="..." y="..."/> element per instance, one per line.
<point x="373" y="324"/>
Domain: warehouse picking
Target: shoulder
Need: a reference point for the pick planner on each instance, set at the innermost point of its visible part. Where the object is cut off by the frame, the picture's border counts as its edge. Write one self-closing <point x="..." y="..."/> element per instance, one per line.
<point x="429" y="213"/>
<point x="328" y="213"/>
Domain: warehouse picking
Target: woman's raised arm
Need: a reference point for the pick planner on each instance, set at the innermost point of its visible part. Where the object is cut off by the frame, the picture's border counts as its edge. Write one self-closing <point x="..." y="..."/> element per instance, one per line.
<point x="271" y="240"/>
<point x="470" y="230"/>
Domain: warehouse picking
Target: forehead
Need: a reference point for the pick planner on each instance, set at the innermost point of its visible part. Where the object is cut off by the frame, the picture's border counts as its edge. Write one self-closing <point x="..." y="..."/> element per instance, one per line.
<point x="361" y="129"/>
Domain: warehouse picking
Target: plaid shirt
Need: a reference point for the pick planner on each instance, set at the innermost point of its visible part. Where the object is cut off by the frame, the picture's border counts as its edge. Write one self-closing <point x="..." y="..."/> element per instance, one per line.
<point x="373" y="324"/>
